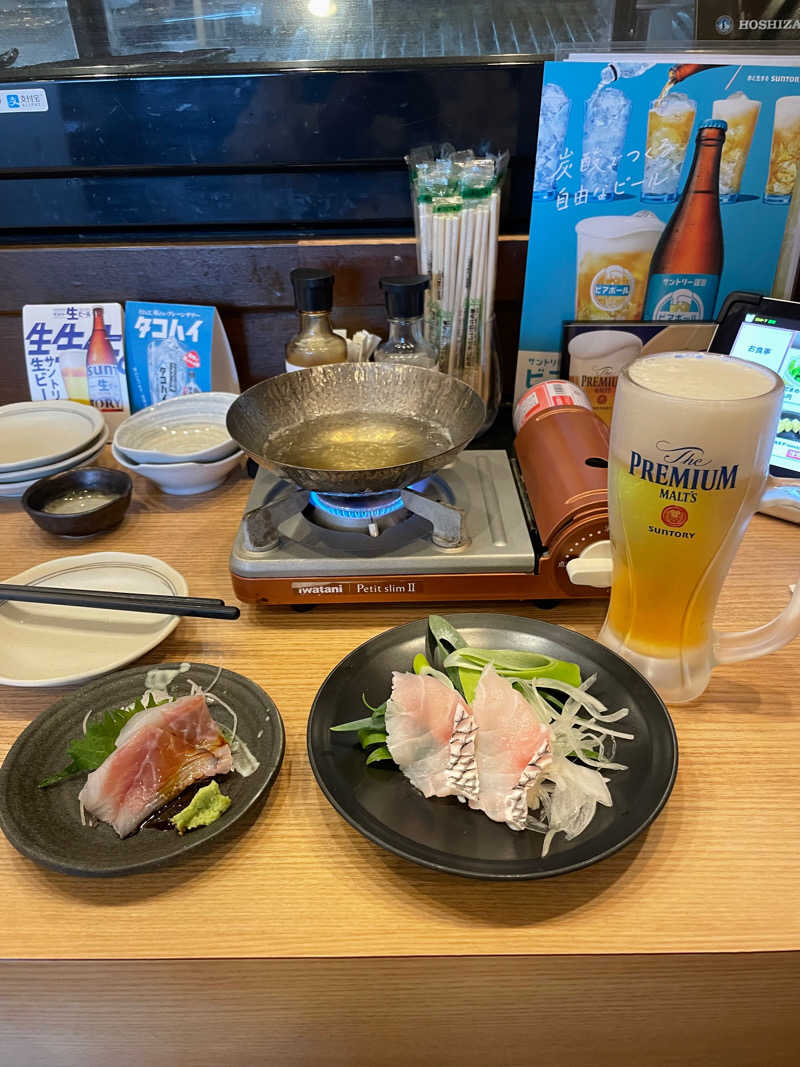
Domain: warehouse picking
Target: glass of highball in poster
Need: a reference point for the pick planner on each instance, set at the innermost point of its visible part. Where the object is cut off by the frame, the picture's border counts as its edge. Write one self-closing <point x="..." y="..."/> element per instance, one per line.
<point x="605" y="124"/>
<point x="741" y="115"/>
<point x="784" y="155"/>
<point x="553" y="118"/>
<point x="669" y="128"/>
<point x="691" y="439"/>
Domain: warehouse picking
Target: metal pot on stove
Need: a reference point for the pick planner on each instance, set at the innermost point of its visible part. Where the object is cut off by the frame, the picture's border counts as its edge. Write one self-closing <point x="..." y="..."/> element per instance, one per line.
<point x="356" y="428"/>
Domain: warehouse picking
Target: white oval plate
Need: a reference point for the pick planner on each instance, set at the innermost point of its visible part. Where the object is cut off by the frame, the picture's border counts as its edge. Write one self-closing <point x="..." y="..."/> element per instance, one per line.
<point x="47" y="645"/>
<point x="37" y="432"/>
<point x="162" y="432"/>
<point x="33" y="474"/>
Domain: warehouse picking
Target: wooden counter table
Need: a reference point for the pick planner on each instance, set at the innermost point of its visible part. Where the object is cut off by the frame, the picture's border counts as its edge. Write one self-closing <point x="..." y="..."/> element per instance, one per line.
<point x="297" y="941"/>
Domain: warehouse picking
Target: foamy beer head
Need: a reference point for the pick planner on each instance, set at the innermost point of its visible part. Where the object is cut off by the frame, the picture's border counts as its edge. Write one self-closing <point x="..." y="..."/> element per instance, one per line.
<point x="736" y="109"/>
<point x="614" y="253"/>
<point x="725" y="408"/>
<point x="787" y="112"/>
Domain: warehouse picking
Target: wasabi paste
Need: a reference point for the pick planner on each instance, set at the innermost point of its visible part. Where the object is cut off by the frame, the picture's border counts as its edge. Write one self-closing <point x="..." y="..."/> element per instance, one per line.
<point x="206" y="807"/>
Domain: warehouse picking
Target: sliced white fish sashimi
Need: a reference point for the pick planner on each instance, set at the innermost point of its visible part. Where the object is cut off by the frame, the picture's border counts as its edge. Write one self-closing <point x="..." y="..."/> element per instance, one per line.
<point x="512" y="749"/>
<point x="431" y="735"/>
<point x="159" y="753"/>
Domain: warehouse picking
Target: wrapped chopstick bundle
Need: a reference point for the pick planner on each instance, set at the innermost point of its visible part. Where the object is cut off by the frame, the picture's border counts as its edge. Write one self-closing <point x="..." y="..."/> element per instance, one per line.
<point x="432" y="180"/>
<point x="446" y="211"/>
<point x="456" y="198"/>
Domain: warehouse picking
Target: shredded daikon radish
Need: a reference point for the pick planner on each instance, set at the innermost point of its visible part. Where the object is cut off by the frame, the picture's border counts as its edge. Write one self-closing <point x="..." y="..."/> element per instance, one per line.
<point x="212" y="698"/>
<point x="216" y="679"/>
<point x="564" y="799"/>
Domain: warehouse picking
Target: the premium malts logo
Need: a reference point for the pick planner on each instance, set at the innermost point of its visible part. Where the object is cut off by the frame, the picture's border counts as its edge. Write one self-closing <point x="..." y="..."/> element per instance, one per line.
<point x="682" y="470"/>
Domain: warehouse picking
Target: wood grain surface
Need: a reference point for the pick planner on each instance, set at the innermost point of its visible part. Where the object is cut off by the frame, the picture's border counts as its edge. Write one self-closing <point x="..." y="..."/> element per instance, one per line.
<point x="247" y="280"/>
<point x="717" y="872"/>
<point x="624" y="1011"/>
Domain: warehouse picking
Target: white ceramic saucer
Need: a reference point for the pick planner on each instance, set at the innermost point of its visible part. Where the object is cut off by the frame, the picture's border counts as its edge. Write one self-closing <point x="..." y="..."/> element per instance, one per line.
<point x="47" y="645"/>
<point x="38" y="432"/>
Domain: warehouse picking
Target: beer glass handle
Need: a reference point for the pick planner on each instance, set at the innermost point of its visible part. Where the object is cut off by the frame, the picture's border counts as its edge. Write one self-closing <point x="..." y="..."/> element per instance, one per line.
<point x="728" y="648"/>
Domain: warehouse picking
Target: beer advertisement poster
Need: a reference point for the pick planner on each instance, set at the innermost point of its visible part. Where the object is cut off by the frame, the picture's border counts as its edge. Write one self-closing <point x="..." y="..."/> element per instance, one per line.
<point x="76" y="352"/>
<point x="174" y="350"/>
<point x="658" y="189"/>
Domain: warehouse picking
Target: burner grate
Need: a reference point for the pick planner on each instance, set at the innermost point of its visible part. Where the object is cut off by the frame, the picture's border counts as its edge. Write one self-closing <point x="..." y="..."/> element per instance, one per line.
<point x="363" y="518"/>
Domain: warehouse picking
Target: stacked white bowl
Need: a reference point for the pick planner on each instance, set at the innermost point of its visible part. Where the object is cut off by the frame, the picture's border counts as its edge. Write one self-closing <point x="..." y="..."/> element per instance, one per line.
<point x="43" y="437"/>
<point x="181" y="444"/>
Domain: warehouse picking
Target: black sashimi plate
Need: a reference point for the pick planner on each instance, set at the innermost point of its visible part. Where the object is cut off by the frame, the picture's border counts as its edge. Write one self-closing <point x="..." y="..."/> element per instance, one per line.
<point x="441" y="832"/>
<point x="45" y="824"/>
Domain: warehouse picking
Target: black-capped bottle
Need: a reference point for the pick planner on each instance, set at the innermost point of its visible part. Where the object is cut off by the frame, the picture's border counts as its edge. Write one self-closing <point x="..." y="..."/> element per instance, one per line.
<point x="315" y="343"/>
<point x="405" y="308"/>
<point x="687" y="263"/>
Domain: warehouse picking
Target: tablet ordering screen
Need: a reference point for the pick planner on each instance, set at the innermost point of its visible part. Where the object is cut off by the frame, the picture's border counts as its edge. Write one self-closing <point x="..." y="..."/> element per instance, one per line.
<point x="775" y="343"/>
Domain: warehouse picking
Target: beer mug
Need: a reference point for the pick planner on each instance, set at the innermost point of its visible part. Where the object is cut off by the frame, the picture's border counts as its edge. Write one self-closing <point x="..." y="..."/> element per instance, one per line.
<point x="691" y="438"/>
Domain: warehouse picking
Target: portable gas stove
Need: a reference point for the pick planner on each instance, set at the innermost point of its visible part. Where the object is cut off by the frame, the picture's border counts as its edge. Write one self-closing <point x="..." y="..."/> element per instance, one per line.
<point x="466" y="533"/>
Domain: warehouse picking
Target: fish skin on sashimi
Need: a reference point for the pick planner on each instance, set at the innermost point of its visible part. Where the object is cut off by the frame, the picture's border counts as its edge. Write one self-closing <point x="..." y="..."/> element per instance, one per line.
<point x="512" y="749"/>
<point x="430" y="734"/>
<point x="159" y="753"/>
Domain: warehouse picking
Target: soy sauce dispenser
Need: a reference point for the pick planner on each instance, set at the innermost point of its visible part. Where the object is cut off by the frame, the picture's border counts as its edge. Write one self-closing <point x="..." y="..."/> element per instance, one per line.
<point x="405" y="307"/>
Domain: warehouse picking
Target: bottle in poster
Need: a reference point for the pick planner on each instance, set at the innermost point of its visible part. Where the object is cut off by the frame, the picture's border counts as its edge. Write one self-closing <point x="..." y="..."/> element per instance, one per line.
<point x="680" y="72"/>
<point x="102" y="373"/>
<point x="687" y="263"/>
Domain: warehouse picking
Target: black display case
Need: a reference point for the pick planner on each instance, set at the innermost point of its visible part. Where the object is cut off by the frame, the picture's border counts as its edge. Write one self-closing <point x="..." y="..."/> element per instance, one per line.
<point x="214" y="118"/>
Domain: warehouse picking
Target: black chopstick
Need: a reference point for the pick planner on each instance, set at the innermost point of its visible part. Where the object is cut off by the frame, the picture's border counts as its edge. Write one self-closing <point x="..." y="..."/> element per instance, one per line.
<point x="195" y="607"/>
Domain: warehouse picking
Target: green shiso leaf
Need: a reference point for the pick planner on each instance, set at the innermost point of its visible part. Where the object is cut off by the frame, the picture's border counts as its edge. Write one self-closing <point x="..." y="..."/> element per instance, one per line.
<point x="96" y="745"/>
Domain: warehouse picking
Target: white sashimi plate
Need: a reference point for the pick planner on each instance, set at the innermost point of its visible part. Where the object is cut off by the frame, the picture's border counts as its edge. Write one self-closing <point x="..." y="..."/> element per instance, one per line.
<point x="48" y="645"/>
<point x="11" y="487"/>
<point x="37" y="432"/>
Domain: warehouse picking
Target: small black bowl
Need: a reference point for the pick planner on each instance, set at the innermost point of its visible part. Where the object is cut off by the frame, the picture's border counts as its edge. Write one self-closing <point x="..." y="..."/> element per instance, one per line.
<point x="80" y="523"/>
